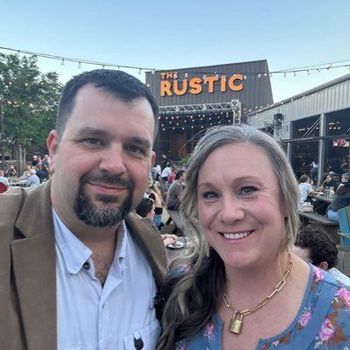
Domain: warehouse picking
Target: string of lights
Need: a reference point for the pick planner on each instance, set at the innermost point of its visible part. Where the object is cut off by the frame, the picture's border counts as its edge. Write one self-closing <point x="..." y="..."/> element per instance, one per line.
<point x="79" y="61"/>
<point x="285" y="72"/>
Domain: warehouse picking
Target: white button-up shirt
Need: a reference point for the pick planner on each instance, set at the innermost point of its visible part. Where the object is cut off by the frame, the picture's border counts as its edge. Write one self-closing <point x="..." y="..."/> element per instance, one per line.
<point x="90" y="317"/>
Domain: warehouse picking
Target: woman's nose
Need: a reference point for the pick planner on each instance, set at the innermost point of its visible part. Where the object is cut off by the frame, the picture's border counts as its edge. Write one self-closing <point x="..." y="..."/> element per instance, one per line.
<point x="231" y="210"/>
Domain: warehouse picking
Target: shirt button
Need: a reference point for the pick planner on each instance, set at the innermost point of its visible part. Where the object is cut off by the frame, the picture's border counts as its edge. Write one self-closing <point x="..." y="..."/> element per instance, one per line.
<point x="86" y="265"/>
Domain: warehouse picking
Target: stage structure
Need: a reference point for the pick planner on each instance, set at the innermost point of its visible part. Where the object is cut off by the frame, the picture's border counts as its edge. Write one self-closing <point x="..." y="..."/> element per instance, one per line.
<point x="191" y="100"/>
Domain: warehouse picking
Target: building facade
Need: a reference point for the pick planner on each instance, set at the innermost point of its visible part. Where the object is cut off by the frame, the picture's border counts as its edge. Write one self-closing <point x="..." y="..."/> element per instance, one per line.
<point x="313" y="126"/>
<point x="194" y="99"/>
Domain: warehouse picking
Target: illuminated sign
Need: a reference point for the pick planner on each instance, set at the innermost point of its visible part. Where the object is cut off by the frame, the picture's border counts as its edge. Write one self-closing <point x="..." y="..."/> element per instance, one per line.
<point x="170" y="84"/>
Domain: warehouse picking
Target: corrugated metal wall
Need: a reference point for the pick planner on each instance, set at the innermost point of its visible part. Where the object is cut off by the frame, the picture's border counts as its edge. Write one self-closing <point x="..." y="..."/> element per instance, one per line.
<point x="256" y="92"/>
<point x="332" y="98"/>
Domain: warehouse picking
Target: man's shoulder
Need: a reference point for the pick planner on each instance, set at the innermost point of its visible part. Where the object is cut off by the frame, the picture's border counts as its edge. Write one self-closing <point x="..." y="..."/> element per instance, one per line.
<point x="10" y="204"/>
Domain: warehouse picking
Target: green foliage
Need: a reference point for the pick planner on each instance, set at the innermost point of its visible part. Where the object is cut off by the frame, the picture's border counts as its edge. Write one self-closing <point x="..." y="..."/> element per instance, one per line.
<point x="29" y="100"/>
<point x="183" y="161"/>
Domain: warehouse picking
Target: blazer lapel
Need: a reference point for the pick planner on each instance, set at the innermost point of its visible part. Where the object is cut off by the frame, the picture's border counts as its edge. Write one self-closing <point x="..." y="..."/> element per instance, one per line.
<point x="151" y="244"/>
<point x="34" y="269"/>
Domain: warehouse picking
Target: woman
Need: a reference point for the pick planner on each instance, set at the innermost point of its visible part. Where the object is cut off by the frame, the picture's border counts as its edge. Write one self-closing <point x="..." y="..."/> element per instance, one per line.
<point x="243" y="288"/>
<point x="341" y="200"/>
<point x="328" y="183"/>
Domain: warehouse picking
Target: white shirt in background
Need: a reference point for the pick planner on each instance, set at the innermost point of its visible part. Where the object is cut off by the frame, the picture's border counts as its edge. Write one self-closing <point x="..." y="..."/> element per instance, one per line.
<point x="305" y="188"/>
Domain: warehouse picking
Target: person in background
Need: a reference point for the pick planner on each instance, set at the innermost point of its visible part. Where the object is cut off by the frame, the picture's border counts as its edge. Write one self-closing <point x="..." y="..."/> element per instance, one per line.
<point x="305" y="188"/>
<point x="165" y="172"/>
<point x="155" y="172"/>
<point x="4" y="179"/>
<point x="341" y="200"/>
<point x="11" y="171"/>
<point x="242" y="287"/>
<point x="314" y="170"/>
<point x="36" y="160"/>
<point x="175" y="191"/>
<point x="344" y="179"/>
<point x="328" y="183"/>
<point x="155" y="194"/>
<point x="33" y="179"/>
<point x="26" y="173"/>
<point x="146" y="209"/>
<point x="78" y="268"/>
<point x="314" y="245"/>
<point x="172" y="175"/>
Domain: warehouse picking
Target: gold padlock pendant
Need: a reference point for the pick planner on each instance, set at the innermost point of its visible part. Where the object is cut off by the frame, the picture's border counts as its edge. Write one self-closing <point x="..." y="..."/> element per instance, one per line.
<point x="236" y="324"/>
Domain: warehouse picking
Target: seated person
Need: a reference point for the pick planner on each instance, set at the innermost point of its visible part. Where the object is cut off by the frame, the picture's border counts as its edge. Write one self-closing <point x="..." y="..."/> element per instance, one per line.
<point x="314" y="245"/>
<point x="305" y="187"/>
<point x="341" y="200"/>
<point x="328" y="183"/>
<point x="146" y="210"/>
<point x="343" y="180"/>
<point x="11" y="172"/>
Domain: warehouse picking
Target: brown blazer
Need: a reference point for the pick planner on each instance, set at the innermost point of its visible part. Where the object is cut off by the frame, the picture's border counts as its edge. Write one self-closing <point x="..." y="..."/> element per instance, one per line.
<point x="27" y="267"/>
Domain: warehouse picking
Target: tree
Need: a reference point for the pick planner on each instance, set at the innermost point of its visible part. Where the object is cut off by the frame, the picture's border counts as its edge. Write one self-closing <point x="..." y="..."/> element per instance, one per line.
<point x="29" y="103"/>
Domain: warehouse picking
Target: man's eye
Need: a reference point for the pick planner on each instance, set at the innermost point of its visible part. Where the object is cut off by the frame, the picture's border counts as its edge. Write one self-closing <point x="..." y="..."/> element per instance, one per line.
<point x="92" y="142"/>
<point x="248" y="190"/>
<point x="134" y="149"/>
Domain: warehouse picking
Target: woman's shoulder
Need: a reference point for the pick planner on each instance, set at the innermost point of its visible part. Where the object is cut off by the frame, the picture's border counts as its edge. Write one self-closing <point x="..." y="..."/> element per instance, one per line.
<point x="331" y="310"/>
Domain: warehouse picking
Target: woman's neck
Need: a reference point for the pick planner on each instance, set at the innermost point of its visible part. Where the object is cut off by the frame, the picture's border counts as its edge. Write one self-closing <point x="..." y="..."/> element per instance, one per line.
<point x="247" y="286"/>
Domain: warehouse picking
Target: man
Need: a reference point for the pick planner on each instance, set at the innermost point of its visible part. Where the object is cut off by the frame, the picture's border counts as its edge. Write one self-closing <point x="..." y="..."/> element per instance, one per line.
<point x="175" y="191"/>
<point x="33" y="179"/>
<point x="314" y="245"/>
<point x="305" y="188"/>
<point x="78" y="270"/>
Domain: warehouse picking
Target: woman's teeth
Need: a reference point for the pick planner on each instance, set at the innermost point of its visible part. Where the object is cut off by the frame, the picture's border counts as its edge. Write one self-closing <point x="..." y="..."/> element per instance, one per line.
<point x="237" y="235"/>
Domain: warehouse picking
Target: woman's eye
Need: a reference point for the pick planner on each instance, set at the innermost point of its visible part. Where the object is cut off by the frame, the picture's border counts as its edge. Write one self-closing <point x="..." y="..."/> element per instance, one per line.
<point x="248" y="190"/>
<point x="209" y="195"/>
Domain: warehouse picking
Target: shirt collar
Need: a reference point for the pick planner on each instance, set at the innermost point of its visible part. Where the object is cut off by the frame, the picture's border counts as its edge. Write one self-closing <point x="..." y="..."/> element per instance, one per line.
<point x="76" y="253"/>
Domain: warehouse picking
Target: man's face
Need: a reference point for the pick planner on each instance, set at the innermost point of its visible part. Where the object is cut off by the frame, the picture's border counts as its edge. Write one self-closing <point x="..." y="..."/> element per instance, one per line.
<point x="102" y="161"/>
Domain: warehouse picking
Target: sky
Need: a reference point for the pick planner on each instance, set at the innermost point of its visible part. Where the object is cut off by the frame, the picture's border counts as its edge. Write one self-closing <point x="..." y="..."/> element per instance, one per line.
<point x="184" y="33"/>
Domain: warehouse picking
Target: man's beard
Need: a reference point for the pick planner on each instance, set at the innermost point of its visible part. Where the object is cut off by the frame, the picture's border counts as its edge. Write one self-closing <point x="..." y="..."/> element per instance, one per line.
<point x="103" y="216"/>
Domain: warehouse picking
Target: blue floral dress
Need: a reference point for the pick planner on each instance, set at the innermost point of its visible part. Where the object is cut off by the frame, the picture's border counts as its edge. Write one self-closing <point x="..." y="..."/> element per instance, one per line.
<point x="323" y="321"/>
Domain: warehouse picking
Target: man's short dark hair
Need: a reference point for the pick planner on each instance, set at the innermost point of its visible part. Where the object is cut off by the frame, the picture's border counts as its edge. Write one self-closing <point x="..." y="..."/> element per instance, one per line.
<point x="303" y="178"/>
<point x="321" y="246"/>
<point x="120" y="84"/>
<point x="179" y="174"/>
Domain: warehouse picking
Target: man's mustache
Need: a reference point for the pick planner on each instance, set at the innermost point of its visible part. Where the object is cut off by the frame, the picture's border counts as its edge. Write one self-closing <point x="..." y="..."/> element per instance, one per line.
<point x="107" y="179"/>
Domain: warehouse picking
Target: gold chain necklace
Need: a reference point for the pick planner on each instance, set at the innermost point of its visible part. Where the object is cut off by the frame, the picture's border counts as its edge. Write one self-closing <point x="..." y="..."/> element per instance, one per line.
<point x="236" y="322"/>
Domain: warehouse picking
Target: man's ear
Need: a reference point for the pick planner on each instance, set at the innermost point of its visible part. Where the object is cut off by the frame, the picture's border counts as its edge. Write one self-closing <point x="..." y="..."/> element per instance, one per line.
<point x="153" y="158"/>
<point x="52" y="142"/>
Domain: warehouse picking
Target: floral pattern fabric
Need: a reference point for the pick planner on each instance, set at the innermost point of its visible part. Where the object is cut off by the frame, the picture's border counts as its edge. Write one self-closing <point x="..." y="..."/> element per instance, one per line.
<point x="323" y="321"/>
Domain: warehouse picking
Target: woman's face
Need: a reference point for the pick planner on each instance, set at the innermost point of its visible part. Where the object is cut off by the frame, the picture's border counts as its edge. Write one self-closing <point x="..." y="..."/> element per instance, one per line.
<point x="239" y="205"/>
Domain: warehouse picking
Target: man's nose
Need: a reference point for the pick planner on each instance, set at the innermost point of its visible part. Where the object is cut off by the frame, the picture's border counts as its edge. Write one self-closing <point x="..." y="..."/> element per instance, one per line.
<point x="112" y="160"/>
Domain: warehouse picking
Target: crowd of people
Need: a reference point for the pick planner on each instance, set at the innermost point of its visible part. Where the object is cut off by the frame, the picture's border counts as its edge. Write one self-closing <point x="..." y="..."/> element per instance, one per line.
<point x="80" y="269"/>
<point x="339" y="193"/>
